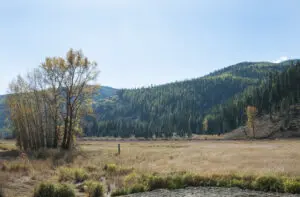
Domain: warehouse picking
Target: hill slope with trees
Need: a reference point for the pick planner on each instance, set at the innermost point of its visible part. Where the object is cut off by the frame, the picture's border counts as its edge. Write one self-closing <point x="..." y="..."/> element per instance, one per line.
<point x="181" y="108"/>
<point x="278" y="96"/>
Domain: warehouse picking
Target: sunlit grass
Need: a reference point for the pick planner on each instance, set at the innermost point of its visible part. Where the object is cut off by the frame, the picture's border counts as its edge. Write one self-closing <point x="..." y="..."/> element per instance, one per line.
<point x="261" y="165"/>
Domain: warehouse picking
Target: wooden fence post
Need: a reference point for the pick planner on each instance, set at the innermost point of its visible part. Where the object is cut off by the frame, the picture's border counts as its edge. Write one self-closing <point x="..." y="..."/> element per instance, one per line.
<point x="119" y="149"/>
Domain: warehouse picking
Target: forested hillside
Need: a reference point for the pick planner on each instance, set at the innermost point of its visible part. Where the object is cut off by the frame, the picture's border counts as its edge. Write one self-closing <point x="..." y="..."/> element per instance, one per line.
<point x="181" y="108"/>
<point x="276" y="94"/>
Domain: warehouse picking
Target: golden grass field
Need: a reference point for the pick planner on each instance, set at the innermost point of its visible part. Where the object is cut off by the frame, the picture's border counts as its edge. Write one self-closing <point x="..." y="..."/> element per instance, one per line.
<point x="276" y="157"/>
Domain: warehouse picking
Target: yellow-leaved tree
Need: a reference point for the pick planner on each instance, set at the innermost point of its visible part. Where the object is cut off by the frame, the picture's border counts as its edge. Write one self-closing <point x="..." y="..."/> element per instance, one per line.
<point x="251" y="115"/>
<point x="47" y="105"/>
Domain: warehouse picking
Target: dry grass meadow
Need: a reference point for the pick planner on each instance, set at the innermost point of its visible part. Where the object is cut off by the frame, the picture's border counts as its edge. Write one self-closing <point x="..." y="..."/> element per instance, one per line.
<point x="207" y="157"/>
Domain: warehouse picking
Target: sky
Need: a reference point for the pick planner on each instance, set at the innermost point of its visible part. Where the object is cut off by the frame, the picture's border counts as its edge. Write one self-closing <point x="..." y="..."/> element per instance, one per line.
<point x="143" y="42"/>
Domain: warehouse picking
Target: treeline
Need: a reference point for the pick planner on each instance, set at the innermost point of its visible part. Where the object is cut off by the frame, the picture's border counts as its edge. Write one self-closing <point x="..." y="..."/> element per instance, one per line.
<point x="179" y="108"/>
<point x="47" y="105"/>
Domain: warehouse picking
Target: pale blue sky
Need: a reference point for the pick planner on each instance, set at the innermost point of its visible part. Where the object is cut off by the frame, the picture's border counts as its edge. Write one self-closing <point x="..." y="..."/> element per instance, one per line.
<point x="142" y="42"/>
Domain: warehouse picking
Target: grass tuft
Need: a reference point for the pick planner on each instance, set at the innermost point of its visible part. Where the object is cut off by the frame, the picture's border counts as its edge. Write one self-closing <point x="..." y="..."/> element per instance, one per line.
<point x="110" y="168"/>
<point x="94" y="189"/>
<point x="269" y="183"/>
<point x="292" y="186"/>
<point x="113" y="169"/>
<point x="53" y="190"/>
<point x="120" y="192"/>
<point x="16" y="166"/>
<point x="72" y="174"/>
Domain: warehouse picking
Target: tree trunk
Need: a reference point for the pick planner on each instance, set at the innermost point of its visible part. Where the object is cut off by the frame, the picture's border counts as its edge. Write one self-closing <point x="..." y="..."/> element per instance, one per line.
<point x="67" y="122"/>
<point x="70" y="131"/>
<point x="55" y="139"/>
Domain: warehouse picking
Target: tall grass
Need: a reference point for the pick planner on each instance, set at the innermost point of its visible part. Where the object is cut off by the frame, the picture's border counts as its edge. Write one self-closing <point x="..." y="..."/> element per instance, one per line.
<point x="16" y="166"/>
<point x="94" y="189"/>
<point x="113" y="170"/>
<point x="177" y="181"/>
<point x="72" y="174"/>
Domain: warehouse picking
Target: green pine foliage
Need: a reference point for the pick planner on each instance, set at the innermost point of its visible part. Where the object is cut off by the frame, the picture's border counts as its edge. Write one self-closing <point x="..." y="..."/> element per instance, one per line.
<point x="181" y="108"/>
<point x="276" y="93"/>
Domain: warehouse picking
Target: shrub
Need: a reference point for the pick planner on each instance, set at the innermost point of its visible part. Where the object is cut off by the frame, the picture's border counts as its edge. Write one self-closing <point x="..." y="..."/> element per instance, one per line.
<point x="292" y="186"/>
<point x="44" y="190"/>
<point x="131" y="179"/>
<point x="113" y="169"/>
<point x="189" y="180"/>
<point x="239" y="183"/>
<point x="137" y="188"/>
<point x="124" y="171"/>
<point x="156" y="182"/>
<point x="244" y="183"/>
<point x="16" y="166"/>
<point x="63" y="190"/>
<point x="52" y="190"/>
<point x="110" y="168"/>
<point x="175" y="181"/>
<point x="66" y="174"/>
<point x="268" y="183"/>
<point x="197" y="180"/>
<point x="120" y="192"/>
<point x="72" y="174"/>
<point x="80" y="175"/>
<point x="94" y="189"/>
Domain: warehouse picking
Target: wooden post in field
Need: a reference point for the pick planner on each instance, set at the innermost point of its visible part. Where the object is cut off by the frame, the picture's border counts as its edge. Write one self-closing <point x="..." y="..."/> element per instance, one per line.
<point x="119" y="149"/>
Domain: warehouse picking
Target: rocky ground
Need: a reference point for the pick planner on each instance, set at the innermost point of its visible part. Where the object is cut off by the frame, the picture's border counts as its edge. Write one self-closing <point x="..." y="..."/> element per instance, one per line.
<point x="209" y="192"/>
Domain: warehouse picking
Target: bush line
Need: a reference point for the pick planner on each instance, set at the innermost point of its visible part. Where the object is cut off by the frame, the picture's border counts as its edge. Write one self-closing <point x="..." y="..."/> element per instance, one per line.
<point x="177" y="181"/>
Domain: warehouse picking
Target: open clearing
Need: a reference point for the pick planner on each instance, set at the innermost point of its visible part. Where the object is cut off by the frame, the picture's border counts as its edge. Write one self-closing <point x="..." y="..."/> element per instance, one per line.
<point x="212" y="157"/>
<point x="276" y="157"/>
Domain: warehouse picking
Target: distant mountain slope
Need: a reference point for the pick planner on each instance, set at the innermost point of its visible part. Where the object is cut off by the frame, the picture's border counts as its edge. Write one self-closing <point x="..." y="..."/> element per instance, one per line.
<point x="105" y="92"/>
<point x="178" y="107"/>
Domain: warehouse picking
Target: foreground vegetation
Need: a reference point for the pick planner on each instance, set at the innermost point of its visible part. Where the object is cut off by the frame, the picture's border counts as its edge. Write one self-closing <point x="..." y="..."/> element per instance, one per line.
<point x="181" y="180"/>
<point x="96" y="169"/>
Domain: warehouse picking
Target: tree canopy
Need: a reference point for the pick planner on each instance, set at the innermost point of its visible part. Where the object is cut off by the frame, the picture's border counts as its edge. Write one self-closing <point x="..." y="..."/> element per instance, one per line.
<point x="47" y="105"/>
